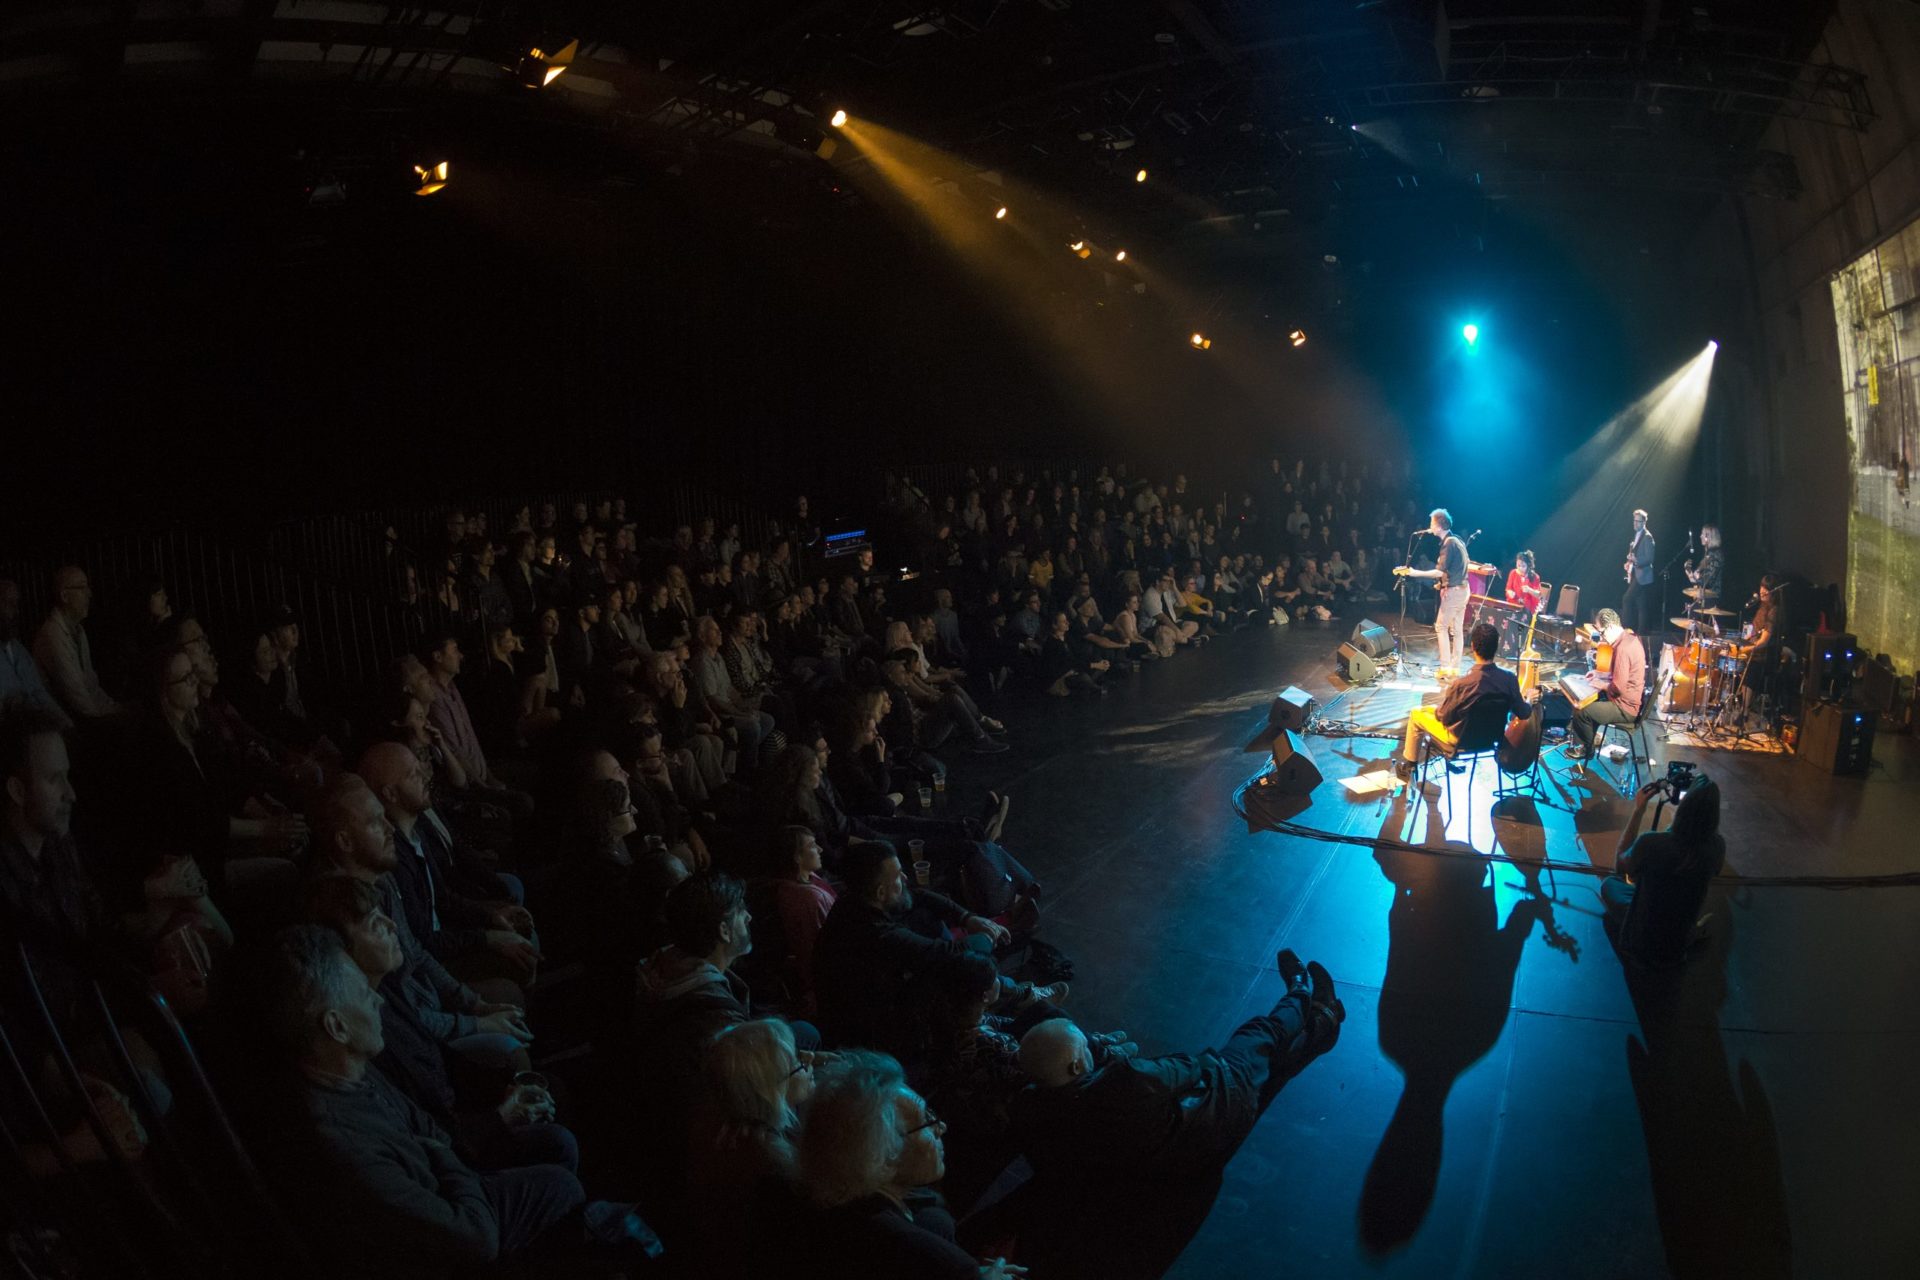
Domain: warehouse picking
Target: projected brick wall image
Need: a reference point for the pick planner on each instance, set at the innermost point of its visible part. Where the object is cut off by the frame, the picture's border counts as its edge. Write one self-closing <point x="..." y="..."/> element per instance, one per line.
<point x="1876" y="305"/>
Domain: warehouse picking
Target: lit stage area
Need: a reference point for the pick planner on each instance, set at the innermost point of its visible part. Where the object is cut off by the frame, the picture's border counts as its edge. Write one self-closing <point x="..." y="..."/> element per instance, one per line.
<point x="1500" y="1095"/>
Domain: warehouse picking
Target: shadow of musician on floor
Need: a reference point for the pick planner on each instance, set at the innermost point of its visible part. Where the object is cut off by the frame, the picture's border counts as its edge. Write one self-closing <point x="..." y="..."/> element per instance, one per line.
<point x="1443" y="1005"/>
<point x="1712" y="1148"/>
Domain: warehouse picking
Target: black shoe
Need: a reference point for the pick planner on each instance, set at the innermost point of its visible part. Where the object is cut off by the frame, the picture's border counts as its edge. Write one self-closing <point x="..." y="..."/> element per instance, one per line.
<point x="1292" y="970"/>
<point x="1323" y="991"/>
<point x="988" y="747"/>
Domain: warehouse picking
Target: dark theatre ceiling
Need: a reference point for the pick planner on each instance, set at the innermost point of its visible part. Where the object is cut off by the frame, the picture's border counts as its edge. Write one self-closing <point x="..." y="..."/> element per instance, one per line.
<point x="1293" y="146"/>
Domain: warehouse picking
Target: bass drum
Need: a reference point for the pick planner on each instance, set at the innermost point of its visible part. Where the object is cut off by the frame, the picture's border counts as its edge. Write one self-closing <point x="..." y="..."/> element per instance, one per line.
<point x="1698" y="674"/>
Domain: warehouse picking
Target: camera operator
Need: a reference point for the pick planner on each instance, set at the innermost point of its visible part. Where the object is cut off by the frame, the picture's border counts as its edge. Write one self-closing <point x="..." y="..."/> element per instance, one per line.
<point x="1660" y="878"/>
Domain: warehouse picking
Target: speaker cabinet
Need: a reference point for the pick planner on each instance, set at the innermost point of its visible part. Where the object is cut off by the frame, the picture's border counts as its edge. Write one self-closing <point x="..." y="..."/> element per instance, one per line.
<point x="1290" y="709"/>
<point x="1371" y="639"/>
<point x="1355" y="664"/>
<point x="1837" y="739"/>
<point x="1294" y="773"/>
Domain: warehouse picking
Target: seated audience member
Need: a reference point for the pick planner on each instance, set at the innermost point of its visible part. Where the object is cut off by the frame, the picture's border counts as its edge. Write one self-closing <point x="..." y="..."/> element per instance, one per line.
<point x="1194" y="605"/>
<point x="881" y="942"/>
<point x="947" y="709"/>
<point x="756" y="1085"/>
<point x="803" y="897"/>
<point x="447" y="712"/>
<point x="267" y="766"/>
<point x="870" y="1153"/>
<point x="606" y="905"/>
<point x="258" y="690"/>
<point x="859" y="765"/>
<point x="186" y="804"/>
<point x="1160" y="603"/>
<point x="1476" y="705"/>
<point x="283" y="629"/>
<point x="1316" y="593"/>
<point x="488" y="941"/>
<point x="691" y="729"/>
<point x="950" y="647"/>
<point x="353" y="838"/>
<point x="503" y="698"/>
<point x="500" y="1128"/>
<point x="380" y="1186"/>
<point x="50" y="906"/>
<point x="20" y="680"/>
<point x="1660" y="878"/>
<point x="1180" y="1115"/>
<point x="1144" y="643"/>
<point x="64" y="652"/>
<point x="1062" y="670"/>
<point x="1282" y="589"/>
<point x="1339" y="575"/>
<point x="708" y="671"/>
<point x="1090" y="629"/>
<point x="689" y="992"/>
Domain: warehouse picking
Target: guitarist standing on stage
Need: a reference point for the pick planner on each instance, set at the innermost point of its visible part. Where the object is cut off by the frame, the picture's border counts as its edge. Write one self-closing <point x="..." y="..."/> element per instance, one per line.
<point x="1450" y="623"/>
<point x="1620" y="689"/>
<point x="1640" y="602"/>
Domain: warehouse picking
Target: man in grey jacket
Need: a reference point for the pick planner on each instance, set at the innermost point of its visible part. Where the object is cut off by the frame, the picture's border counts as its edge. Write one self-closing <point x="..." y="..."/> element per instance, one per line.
<point x="386" y="1194"/>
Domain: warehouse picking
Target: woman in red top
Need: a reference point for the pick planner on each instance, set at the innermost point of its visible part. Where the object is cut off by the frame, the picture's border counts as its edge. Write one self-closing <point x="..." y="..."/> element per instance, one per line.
<point x="803" y="897"/>
<point x="1523" y="584"/>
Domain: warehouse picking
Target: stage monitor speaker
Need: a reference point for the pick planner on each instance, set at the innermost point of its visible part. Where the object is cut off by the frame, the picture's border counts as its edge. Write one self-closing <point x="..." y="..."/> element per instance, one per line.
<point x="1292" y="708"/>
<point x="1371" y="639"/>
<point x="1294" y="772"/>
<point x="1356" y="667"/>
<point x="1837" y="739"/>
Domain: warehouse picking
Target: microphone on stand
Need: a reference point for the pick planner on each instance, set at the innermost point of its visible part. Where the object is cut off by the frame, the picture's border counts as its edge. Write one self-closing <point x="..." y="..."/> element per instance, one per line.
<point x="1473" y="535"/>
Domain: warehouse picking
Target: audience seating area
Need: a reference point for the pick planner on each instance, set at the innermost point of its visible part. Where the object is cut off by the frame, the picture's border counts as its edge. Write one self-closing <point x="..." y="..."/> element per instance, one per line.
<point x="586" y="886"/>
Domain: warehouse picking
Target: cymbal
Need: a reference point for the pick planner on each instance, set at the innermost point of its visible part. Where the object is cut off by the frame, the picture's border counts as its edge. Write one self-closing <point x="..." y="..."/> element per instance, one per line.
<point x="1718" y="613"/>
<point x="1685" y="624"/>
<point x="1699" y="593"/>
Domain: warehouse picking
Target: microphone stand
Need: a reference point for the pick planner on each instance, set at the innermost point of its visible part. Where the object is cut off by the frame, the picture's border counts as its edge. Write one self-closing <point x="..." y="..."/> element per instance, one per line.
<point x="1665" y="573"/>
<point x="1406" y="561"/>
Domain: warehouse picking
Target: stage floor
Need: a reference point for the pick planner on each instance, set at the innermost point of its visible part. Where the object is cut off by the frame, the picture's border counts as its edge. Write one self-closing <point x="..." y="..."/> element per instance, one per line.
<point x="1500" y="1103"/>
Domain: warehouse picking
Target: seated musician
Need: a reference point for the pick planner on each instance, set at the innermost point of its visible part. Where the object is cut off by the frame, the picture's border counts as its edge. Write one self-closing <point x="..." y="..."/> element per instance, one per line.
<point x="1523" y="584"/>
<point x="1481" y="700"/>
<point x="1620" y="689"/>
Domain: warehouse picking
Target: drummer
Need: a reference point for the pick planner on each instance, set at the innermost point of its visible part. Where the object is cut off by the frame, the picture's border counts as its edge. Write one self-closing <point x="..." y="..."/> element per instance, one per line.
<point x="1707" y="574"/>
<point x="1523" y="584"/>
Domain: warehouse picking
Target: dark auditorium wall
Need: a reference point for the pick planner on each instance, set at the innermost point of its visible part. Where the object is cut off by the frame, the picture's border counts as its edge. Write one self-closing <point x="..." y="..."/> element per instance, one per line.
<point x="1858" y="189"/>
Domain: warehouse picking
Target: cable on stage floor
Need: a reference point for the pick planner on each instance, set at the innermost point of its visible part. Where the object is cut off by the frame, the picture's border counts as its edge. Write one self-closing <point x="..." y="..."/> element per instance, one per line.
<point x="1285" y="826"/>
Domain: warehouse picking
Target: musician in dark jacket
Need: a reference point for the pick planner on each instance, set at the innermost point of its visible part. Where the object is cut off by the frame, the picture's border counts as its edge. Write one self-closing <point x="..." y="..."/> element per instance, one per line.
<point x="1476" y="707"/>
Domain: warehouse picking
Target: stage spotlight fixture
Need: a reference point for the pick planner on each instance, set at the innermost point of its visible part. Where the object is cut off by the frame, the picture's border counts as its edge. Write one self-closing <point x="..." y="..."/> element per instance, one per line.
<point x="838" y="120"/>
<point x="1000" y="213"/>
<point x="1471" y="332"/>
<point x="1298" y="337"/>
<point x="1200" y="342"/>
<point x="539" y="68"/>
<point x="1077" y="245"/>
<point x="1141" y="176"/>
<point x="432" y="177"/>
<point x="1120" y="256"/>
<point x="1713" y="344"/>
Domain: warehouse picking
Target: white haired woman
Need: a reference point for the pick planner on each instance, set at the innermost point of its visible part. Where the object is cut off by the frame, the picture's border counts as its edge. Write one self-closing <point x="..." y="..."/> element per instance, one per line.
<point x="870" y="1150"/>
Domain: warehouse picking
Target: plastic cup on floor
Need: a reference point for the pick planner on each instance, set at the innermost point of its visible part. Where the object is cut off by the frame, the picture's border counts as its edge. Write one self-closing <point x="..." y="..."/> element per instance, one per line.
<point x="923" y="873"/>
<point x="926" y="797"/>
<point x="940" y="782"/>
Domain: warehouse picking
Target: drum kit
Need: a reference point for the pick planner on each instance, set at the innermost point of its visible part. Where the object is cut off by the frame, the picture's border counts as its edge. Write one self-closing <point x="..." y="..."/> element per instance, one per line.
<point x="1709" y="667"/>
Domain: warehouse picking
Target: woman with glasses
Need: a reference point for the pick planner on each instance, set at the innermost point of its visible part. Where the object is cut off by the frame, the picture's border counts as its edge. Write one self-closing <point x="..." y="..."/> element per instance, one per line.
<point x="870" y="1151"/>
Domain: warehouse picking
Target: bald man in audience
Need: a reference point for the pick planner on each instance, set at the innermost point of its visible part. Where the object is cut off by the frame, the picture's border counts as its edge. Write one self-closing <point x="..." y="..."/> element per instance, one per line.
<point x="1182" y="1114"/>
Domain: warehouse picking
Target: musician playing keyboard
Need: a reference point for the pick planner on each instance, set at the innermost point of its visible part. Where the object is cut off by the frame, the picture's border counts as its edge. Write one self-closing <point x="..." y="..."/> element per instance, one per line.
<point x="1621" y="687"/>
<point x="1475" y="709"/>
<point x="1523" y="584"/>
